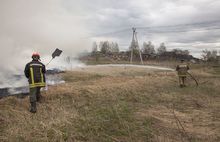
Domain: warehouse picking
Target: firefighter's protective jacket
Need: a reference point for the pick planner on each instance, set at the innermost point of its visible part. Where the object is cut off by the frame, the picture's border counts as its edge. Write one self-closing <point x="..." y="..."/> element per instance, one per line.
<point x="182" y="70"/>
<point x="35" y="72"/>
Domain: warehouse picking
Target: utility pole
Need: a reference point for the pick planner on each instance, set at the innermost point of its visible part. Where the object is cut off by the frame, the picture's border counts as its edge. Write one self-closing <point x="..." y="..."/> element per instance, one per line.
<point x="135" y="46"/>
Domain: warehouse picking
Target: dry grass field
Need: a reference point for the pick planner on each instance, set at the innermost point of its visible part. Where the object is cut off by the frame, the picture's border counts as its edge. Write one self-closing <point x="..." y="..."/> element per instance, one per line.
<point x="119" y="105"/>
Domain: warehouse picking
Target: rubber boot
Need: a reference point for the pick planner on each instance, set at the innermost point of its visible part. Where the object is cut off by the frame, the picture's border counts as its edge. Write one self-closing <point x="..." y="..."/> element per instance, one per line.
<point x="33" y="108"/>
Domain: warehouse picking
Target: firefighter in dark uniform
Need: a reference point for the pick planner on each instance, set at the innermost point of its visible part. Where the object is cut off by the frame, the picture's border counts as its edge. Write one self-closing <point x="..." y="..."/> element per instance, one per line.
<point x="35" y="72"/>
<point x="182" y="70"/>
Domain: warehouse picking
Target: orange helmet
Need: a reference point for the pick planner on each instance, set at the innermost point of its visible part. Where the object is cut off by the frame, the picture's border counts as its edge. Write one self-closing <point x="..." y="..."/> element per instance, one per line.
<point x="36" y="56"/>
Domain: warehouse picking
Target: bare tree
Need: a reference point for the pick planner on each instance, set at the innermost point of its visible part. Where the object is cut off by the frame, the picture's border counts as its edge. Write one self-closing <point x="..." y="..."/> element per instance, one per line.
<point x="185" y="52"/>
<point x="108" y="47"/>
<point x="104" y="47"/>
<point x="114" y="47"/>
<point x="148" y="48"/>
<point x="214" y="54"/>
<point x="209" y="55"/>
<point x="181" y="52"/>
<point x="162" y="49"/>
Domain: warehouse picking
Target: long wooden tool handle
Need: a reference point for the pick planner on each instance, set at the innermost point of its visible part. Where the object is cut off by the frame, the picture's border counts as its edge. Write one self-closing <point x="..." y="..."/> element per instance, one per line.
<point x="197" y="84"/>
<point x="49" y="62"/>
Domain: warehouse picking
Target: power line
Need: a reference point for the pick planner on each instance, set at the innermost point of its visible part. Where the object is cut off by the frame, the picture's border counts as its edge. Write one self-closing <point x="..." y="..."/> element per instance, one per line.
<point x="158" y="29"/>
<point x="169" y="29"/>
<point x="181" y="31"/>
<point x="110" y="33"/>
<point x="182" y="25"/>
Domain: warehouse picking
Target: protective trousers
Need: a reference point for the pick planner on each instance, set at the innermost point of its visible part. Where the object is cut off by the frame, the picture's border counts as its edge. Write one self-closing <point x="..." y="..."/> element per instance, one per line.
<point x="182" y="81"/>
<point x="35" y="96"/>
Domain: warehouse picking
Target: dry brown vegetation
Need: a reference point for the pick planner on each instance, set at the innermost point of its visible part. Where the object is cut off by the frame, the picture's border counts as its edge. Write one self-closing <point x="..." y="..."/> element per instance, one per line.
<point x="121" y="105"/>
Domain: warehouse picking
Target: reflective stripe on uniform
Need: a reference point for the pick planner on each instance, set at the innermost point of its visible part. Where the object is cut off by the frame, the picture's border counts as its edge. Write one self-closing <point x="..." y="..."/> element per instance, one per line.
<point x="39" y="84"/>
<point x="32" y="75"/>
<point x="183" y="66"/>
<point x="41" y="75"/>
<point x="35" y="65"/>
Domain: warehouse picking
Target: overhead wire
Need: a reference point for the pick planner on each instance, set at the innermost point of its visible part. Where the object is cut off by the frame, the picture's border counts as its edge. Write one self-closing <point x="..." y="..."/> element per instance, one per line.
<point x="168" y="29"/>
<point x="189" y="27"/>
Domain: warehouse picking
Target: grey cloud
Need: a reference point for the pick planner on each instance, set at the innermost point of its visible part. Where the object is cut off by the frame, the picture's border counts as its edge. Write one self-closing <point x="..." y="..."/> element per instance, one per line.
<point x="110" y="17"/>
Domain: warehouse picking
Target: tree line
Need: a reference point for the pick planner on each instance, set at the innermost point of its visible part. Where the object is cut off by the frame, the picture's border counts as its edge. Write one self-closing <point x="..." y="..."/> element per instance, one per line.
<point x="106" y="47"/>
<point x="210" y="55"/>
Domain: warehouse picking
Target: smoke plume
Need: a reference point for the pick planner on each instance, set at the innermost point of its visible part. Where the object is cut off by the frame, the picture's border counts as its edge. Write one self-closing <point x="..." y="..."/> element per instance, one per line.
<point x="36" y="26"/>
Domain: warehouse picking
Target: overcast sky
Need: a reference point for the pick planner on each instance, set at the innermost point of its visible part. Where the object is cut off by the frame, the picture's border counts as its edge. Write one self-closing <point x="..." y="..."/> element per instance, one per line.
<point x="42" y="23"/>
<point x="72" y="25"/>
<point x="186" y="24"/>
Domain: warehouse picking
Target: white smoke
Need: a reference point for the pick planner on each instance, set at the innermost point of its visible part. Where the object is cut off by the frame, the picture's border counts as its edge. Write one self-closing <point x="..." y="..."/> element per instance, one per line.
<point x="28" y="26"/>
